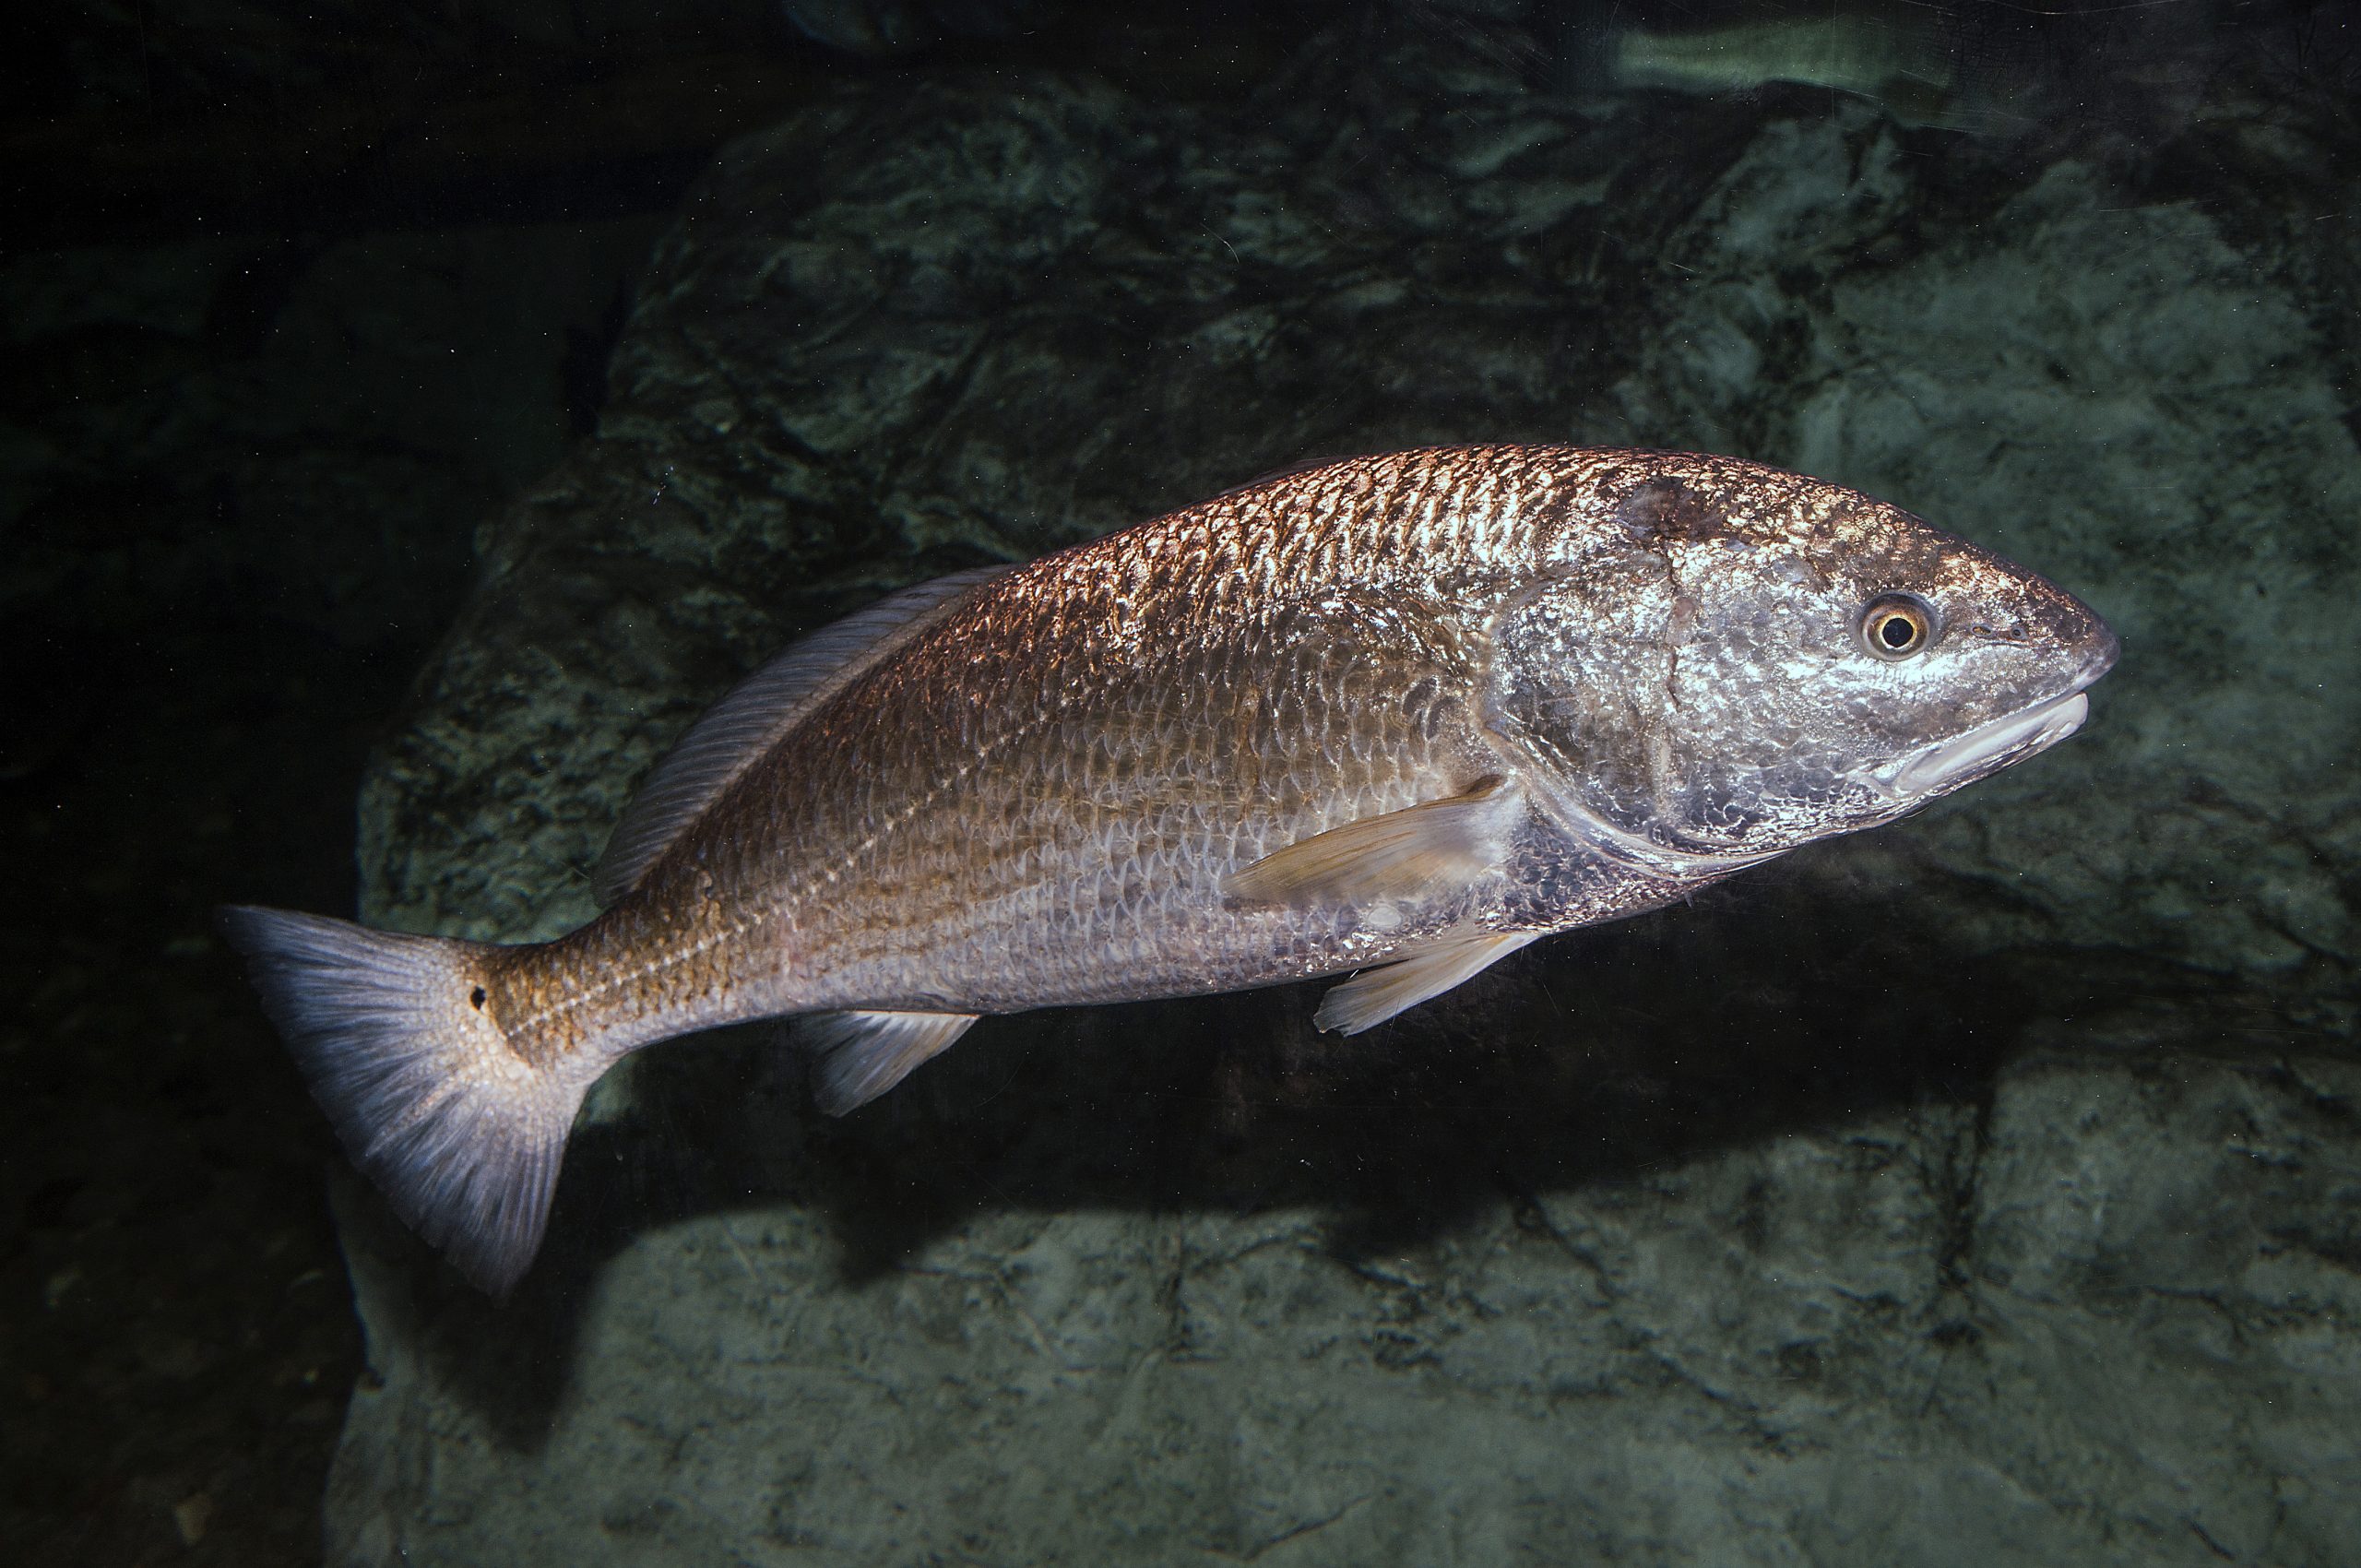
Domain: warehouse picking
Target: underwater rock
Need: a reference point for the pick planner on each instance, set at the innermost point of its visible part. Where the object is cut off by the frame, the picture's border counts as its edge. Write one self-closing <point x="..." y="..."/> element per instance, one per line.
<point x="1981" y="1191"/>
<point x="2105" y="1318"/>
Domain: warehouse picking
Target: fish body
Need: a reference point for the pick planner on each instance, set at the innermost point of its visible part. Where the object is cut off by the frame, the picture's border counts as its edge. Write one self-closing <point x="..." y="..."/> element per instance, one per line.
<point x="1400" y="715"/>
<point x="1849" y="53"/>
<point x="1904" y="59"/>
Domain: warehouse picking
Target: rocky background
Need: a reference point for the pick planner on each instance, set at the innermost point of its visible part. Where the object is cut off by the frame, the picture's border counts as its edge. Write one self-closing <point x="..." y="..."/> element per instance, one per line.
<point x="1986" y="1189"/>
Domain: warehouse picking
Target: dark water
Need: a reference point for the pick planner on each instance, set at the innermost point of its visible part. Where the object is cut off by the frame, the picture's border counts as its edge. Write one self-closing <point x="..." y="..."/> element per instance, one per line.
<point x="428" y="406"/>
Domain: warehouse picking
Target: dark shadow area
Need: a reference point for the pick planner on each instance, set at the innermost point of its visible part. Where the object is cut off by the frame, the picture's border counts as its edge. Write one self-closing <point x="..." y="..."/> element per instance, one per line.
<point x="428" y="116"/>
<point x="178" y="1324"/>
<point x="237" y="485"/>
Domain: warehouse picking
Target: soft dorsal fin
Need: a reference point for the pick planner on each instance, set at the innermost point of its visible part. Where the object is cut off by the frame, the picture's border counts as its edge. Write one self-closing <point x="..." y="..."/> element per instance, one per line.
<point x="758" y="710"/>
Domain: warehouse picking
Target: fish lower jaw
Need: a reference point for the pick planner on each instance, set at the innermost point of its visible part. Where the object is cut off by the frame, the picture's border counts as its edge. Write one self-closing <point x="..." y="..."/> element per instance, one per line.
<point x="1931" y="770"/>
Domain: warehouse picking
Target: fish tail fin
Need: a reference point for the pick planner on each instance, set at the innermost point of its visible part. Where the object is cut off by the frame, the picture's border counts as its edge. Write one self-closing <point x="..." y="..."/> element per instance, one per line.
<point x="463" y="1135"/>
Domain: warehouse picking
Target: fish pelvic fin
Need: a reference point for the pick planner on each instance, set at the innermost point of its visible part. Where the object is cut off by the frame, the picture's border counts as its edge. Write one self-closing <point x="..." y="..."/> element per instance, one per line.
<point x="1370" y="998"/>
<point x="462" y="1136"/>
<point x="1436" y="846"/>
<point x="863" y="1055"/>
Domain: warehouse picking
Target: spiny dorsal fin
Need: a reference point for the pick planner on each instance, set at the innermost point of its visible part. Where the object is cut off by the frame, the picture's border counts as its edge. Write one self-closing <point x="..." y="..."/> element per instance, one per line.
<point x="758" y="710"/>
<point x="1423" y="849"/>
<point x="863" y="1055"/>
<point x="1370" y="998"/>
<point x="1301" y="466"/>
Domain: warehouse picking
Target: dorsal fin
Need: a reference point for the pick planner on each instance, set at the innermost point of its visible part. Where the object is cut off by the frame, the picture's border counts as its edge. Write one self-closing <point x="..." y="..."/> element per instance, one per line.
<point x="1301" y="466"/>
<point x="757" y="712"/>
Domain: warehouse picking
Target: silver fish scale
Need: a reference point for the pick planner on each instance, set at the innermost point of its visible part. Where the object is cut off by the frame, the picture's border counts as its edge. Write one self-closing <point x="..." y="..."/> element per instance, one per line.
<point x="1037" y="800"/>
<point x="1088" y="818"/>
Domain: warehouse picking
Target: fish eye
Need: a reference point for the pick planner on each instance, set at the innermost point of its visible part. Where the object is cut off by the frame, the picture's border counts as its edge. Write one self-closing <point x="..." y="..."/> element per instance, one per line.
<point x="1895" y="625"/>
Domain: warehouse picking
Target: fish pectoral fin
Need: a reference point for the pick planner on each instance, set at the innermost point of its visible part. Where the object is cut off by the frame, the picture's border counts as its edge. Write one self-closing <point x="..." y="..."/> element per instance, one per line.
<point x="863" y="1055"/>
<point x="1427" y="848"/>
<point x="1370" y="998"/>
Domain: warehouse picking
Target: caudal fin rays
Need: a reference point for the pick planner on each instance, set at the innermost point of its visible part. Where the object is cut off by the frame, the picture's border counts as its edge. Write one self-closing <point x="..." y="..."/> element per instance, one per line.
<point x="462" y="1136"/>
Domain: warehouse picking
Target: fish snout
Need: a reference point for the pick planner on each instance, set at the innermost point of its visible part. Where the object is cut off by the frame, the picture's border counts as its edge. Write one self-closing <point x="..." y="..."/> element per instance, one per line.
<point x="2086" y="646"/>
<point x="2101" y="648"/>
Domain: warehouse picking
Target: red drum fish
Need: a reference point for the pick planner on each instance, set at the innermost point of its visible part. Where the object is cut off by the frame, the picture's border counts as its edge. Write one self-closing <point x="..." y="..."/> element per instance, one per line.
<point x="1393" y="717"/>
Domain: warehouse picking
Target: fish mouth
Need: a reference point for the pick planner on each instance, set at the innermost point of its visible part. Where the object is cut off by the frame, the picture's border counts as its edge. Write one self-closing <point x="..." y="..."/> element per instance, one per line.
<point x="1946" y="765"/>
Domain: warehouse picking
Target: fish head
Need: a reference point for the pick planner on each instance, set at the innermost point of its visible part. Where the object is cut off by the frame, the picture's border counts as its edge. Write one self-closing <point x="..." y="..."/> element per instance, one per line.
<point x="1747" y="660"/>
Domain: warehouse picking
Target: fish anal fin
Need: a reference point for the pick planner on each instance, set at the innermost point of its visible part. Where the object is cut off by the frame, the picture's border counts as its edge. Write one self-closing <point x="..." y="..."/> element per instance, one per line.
<point x="863" y="1055"/>
<point x="1375" y="995"/>
<point x="1434" y="845"/>
<point x="741" y="726"/>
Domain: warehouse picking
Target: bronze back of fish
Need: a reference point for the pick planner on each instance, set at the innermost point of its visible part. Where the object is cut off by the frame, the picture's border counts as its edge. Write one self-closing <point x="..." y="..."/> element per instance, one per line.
<point x="1401" y="714"/>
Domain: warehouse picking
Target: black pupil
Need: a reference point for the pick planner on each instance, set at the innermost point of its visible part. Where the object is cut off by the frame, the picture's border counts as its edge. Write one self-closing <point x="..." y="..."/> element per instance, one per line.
<point x="1896" y="631"/>
<point x="475" y="997"/>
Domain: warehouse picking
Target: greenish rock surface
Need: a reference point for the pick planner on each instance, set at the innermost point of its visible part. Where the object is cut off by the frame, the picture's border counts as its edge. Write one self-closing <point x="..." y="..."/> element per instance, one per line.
<point x="1985" y="1190"/>
<point x="2088" y="1321"/>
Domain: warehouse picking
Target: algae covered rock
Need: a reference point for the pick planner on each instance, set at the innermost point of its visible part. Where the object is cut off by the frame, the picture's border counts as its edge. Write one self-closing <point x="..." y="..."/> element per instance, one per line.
<point x="1982" y="1191"/>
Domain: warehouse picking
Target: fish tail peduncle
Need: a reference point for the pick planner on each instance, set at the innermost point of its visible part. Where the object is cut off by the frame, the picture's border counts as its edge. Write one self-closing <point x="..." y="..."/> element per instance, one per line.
<point x="462" y="1134"/>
